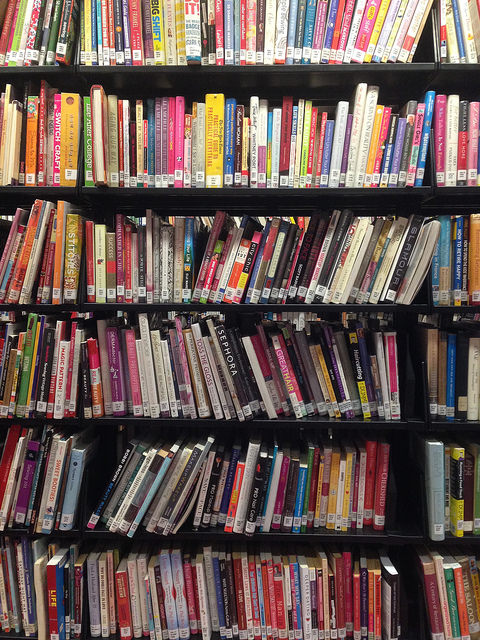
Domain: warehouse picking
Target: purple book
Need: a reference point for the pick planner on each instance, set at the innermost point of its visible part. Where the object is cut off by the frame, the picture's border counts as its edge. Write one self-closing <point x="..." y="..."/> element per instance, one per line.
<point x="363" y="598"/>
<point x="164" y="145"/>
<point x="158" y="142"/>
<point x="29" y="586"/>
<point x="330" y="341"/>
<point x="148" y="54"/>
<point x="327" y="153"/>
<point x="175" y="351"/>
<point x="29" y="465"/>
<point x="126" y="372"/>
<point x="397" y="152"/>
<point x="119" y="231"/>
<point x="126" y="33"/>
<point x="346" y="146"/>
<point x="116" y="372"/>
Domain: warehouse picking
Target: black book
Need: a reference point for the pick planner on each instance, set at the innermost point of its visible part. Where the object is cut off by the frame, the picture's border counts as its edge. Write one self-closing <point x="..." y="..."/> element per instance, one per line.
<point x="312" y="260"/>
<point x="233" y="367"/>
<point x="85" y="385"/>
<point x="46" y="362"/>
<point x="291" y="492"/>
<point x="409" y="113"/>
<point x="255" y="397"/>
<point x="38" y="488"/>
<point x="213" y="485"/>
<point x="461" y="376"/>
<point x="389" y="146"/>
<point x="263" y="494"/>
<point x="204" y="30"/>
<point x="302" y="9"/>
<point x="307" y="243"/>
<point x="284" y="256"/>
<point x="231" y="589"/>
<point x="258" y="488"/>
<point x="142" y="286"/>
<point x="305" y="390"/>
<point x="282" y="293"/>
<point x="411" y="238"/>
<point x="332" y="253"/>
<point x="156" y="7"/>
<point x="462" y="143"/>
<point x="227" y="606"/>
<point x="27" y="91"/>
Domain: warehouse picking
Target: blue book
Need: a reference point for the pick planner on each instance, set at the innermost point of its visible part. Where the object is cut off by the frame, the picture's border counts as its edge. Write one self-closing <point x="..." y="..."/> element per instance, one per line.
<point x="151" y="141"/>
<point x="228" y="31"/>
<point x="261" y="603"/>
<point x="236" y="33"/>
<point x="457" y="260"/>
<point x="426" y="129"/>
<point x="298" y="596"/>
<point x="126" y="32"/>
<point x="60" y="559"/>
<point x="99" y="31"/>
<point x="258" y="260"/>
<point x="327" y="153"/>
<point x="435" y="487"/>
<point x="151" y="625"/>
<point x="327" y="41"/>
<point x="189" y="259"/>
<point x="436" y="274"/>
<point x="451" y="363"/>
<point x="300" y="496"/>
<point x="94" y="32"/>
<point x="292" y="28"/>
<point x="269" y="483"/>
<point x="458" y="31"/>
<point x="269" y="149"/>
<point x="232" y="467"/>
<point x="219" y="595"/>
<point x="36" y="372"/>
<point x="310" y="14"/>
<point x="444" y="295"/>
<point x="229" y="146"/>
<point x="72" y="490"/>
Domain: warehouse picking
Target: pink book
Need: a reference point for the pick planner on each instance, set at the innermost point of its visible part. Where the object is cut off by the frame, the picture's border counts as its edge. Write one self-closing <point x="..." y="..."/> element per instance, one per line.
<point x="187" y="152"/>
<point x="243" y="32"/>
<point x="149" y="255"/>
<point x="8" y="246"/>
<point x="439" y="130"/>
<point x="186" y="371"/>
<point x="12" y="31"/>
<point x="289" y="377"/>
<point x="251" y="32"/>
<point x="319" y="31"/>
<point x="264" y="364"/>
<point x="348" y="575"/>
<point x="221" y="264"/>
<point x="390" y="342"/>
<point x="32" y="32"/>
<point x="190" y="595"/>
<point x="218" y="222"/>
<point x="134" y="374"/>
<point x="68" y="386"/>
<point x="347" y="21"/>
<point x="381" y="146"/>
<point x="120" y="258"/>
<point x="145" y="153"/>
<point x="472" y="149"/>
<point x="57" y="136"/>
<point x="276" y="378"/>
<point x="381" y="482"/>
<point x="365" y="31"/>
<point x="417" y="139"/>
<point x="219" y="50"/>
<point x="179" y="140"/>
<point x="171" y="142"/>
<point x="280" y="497"/>
<point x="356" y="480"/>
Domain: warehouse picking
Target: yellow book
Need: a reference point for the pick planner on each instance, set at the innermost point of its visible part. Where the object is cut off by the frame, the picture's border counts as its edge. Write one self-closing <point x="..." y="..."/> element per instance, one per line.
<point x="3" y="139"/>
<point x="359" y="375"/>
<point x="100" y="263"/>
<point x="307" y="121"/>
<point x="180" y="32"/>
<point x="393" y="32"/>
<point x="318" y="499"/>
<point x="328" y="382"/>
<point x="139" y="141"/>
<point x="87" y="19"/>
<point x="457" y="461"/>
<point x="31" y="142"/>
<point x="377" y="29"/>
<point x="70" y="139"/>
<point x="348" y="487"/>
<point x="158" y="31"/>
<point x="214" y="133"/>
<point x="474" y="258"/>
<point x="333" y="488"/>
<point x="73" y="255"/>
<point x="245" y="139"/>
<point x="377" y="123"/>
<point x="113" y="162"/>
<point x="30" y="404"/>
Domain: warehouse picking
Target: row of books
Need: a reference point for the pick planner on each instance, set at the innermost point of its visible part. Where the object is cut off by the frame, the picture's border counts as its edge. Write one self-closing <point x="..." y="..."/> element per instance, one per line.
<point x="459" y="32"/>
<point x="452" y="361"/>
<point x="455" y="141"/>
<point x="335" y="258"/>
<point x="193" y="368"/>
<point x="233" y="591"/>
<point x="238" y="33"/>
<point x="159" y="142"/>
<point x="40" y="33"/>
<point x="41" y="473"/>
<point x="42" y="255"/>
<point x="455" y="272"/>
<point x="259" y="486"/>
<point x="451" y="588"/>
<point x="451" y="483"/>
<point x="39" y="136"/>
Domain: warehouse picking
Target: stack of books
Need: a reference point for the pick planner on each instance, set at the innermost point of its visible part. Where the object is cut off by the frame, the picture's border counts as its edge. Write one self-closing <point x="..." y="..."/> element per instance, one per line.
<point x="160" y="142"/>
<point x="459" y="25"/>
<point x="259" y="486"/>
<point x="39" y="136"/>
<point x="41" y="473"/>
<point x="190" y="368"/>
<point x="451" y="585"/>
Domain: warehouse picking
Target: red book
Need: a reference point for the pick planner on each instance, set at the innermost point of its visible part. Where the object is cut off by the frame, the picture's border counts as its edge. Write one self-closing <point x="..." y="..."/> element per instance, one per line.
<point x="46" y="251"/>
<point x="285" y="133"/>
<point x="241" y="613"/>
<point x="266" y="598"/>
<point x="312" y="497"/>
<point x="339" y="573"/>
<point x="128" y="263"/>
<point x="190" y="597"/>
<point x="348" y="576"/>
<point x="311" y="146"/>
<point x="195" y="591"/>
<point x="371" y="448"/>
<point x="136" y="33"/>
<point x="336" y="32"/>
<point x="123" y="602"/>
<point x="121" y="148"/>
<point x="356" y="600"/>
<point x="7" y="456"/>
<point x="42" y="127"/>
<point x="272" y="596"/>
<point x="6" y="29"/>
<point x="381" y="483"/>
<point x="279" y="599"/>
<point x="431" y="593"/>
<point x="90" y="256"/>
<point x="254" y="593"/>
<point x="120" y="256"/>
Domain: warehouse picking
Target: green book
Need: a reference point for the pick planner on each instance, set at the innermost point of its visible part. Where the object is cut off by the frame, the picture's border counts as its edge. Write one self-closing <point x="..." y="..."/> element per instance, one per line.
<point x="35" y="54"/>
<point x="452" y="598"/>
<point x="17" y="34"/>
<point x="310" y="456"/>
<point x="88" y="144"/>
<point x="26" y="364"/>
<point x="54" y="29"/>
<point x="307" y="122"/>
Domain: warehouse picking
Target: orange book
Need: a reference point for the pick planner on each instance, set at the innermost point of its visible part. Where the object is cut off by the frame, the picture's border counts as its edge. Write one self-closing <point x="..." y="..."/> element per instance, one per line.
<point x="70" y="139"/>
<point x="371" y="597"/>
<point x="59" y="258"/>
<point x="22" y="264"/>
<point x="372" y="154"/>
<point x="474" y="260"/>
<point x="237" y="269"/>
<point x="31" y="142"/>
<point x="237" y="485"/>
<point x="461" y="601"/>
<point x="377" y="576"/>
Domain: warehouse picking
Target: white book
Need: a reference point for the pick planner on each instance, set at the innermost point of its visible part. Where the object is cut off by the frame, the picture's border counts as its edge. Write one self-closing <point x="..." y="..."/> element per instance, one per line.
<point x="361" y="483"/>
<point x="348" y="272"/>
<point x="103" y="589"/>
<point x="365" y="135"/>
<point x="396" y="234"/>
<point x="141" y="375"/>
<point x="354" y="29"/>
<point x="203" y="601"/>
<point x="210" y="584"/>
<point x="276" y="141"/>
<point x="207" y="371"/>
<point x="262" y="135"/>
<point x="269" y="39"/>
<point x="422" y="7"/>
<point x="341" y="115"/>
<point x="36" y="254"/>
<point x="453" y="105"/>
<point x="133" y="586"/>
<point x="169" y="594"/>
<point x="402" y="30"/>
<point x="167" y="366"/>
<point x="178" y="257"/>
<point x="254" y="123"/>
<point x="419" y="262"/>
<point x="79" y="338"/>
<point x="148" y="364"/>
<point x="382" y="372"/>
<point x="216" y="377"/>
<point x="204" y="482"/>
<point x="248" y="475"/>
<point x="39" y="581"/>
<point x="260" y="380"/>
<point x="283" y="7"/>
<point x="142" y="572"/>
<point x="322" y="255"/>
<point x="170" y="32"/>
<point x="306" y="598"/>
<point x="473" y="378"/>
<point x="358" y="113"/>
<point x="267" y="520"/>
<point x="160" y="372"/>
<point x="298" y="143"/>
<point x="356" y="265"/>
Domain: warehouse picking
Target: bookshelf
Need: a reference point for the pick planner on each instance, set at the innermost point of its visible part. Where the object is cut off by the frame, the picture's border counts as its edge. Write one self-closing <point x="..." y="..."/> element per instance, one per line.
<point x="337" y="81"/>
